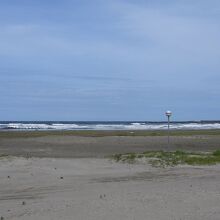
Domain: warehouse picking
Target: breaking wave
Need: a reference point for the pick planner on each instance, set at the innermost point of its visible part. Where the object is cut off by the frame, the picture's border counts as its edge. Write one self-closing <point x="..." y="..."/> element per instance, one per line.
<point x="107" y="125"/>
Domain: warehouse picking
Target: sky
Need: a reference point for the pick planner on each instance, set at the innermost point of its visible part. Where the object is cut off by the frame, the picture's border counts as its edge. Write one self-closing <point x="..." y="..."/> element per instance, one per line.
<point x="109" y="59"/>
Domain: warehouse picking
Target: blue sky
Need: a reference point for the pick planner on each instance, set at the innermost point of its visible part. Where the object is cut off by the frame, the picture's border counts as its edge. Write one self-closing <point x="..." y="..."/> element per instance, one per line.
<point x="109" y="59"/>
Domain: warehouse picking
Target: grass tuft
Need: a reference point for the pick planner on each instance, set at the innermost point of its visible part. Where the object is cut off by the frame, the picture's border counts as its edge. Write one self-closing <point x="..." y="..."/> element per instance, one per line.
<point x="164" y="159"/>
<point x="216" y="153"/>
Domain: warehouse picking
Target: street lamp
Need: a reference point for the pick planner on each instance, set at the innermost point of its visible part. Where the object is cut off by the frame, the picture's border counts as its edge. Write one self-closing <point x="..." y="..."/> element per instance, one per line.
<point x="168" y="114"/>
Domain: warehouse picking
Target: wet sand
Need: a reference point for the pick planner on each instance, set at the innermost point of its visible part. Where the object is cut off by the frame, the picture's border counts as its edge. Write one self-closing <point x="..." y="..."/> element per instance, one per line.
<point x="72" y="146"/>
<point x="68" y="177"/>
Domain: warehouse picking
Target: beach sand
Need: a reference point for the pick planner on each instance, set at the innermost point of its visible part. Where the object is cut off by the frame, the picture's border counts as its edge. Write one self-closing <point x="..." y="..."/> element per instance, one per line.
<point x="70" y="145"/>
<point x="69" y="177"/>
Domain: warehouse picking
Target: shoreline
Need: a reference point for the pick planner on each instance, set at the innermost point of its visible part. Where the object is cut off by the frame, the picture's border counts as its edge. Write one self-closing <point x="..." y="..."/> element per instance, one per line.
<point x="100" y="144"/>
<point x="102" y="133"/>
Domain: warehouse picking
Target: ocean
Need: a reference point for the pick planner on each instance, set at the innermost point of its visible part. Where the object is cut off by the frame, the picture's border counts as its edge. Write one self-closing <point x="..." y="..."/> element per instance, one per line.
<point x="107" y="125"/>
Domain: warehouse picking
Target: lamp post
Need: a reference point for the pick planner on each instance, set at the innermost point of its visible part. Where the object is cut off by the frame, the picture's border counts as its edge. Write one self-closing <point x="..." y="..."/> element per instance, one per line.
<point x="168" y="114"/>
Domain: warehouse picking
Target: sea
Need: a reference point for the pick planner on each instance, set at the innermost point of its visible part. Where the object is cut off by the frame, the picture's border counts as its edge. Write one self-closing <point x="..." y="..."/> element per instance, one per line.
<point x="107" y="125"/>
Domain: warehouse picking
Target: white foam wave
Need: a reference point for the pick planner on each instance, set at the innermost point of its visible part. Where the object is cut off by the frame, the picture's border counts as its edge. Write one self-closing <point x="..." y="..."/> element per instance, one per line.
<point x="25" y="126"/>
<point x="107" y="126"/>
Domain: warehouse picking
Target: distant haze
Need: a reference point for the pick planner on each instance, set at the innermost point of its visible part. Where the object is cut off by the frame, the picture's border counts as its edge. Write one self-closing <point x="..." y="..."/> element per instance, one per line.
<point x="109" y="60"/>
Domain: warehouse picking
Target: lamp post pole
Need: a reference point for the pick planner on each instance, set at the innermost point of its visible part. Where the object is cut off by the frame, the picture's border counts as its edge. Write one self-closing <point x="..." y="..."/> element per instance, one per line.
<point x="168" y="114"/>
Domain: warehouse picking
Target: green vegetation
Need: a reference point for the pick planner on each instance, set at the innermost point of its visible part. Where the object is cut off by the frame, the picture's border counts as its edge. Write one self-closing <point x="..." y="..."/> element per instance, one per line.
<point x="92" y="133"/>
<point x="216" y="153"/>
<point x="164" y="159"/>
<point x="3" y="156"/>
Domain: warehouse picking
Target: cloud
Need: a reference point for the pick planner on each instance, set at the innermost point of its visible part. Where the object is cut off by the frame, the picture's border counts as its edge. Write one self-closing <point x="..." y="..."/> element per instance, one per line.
<point x="125" y="54"/>
<point x="170" y="33"/>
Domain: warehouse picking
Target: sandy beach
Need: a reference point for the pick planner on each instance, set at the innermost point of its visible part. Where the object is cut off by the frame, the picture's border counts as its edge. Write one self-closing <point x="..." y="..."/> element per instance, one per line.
<point x="99" y="144"/>
<point x="69" y="177"/>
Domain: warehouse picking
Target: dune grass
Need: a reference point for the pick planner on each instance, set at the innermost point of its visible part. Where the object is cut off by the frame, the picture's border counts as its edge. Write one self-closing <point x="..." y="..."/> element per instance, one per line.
<point x="164" y="159"/>
<point x="3" y="156"/>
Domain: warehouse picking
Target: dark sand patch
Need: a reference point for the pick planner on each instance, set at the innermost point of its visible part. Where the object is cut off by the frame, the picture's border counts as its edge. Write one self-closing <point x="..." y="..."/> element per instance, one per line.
<point x="74" y="145"/>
